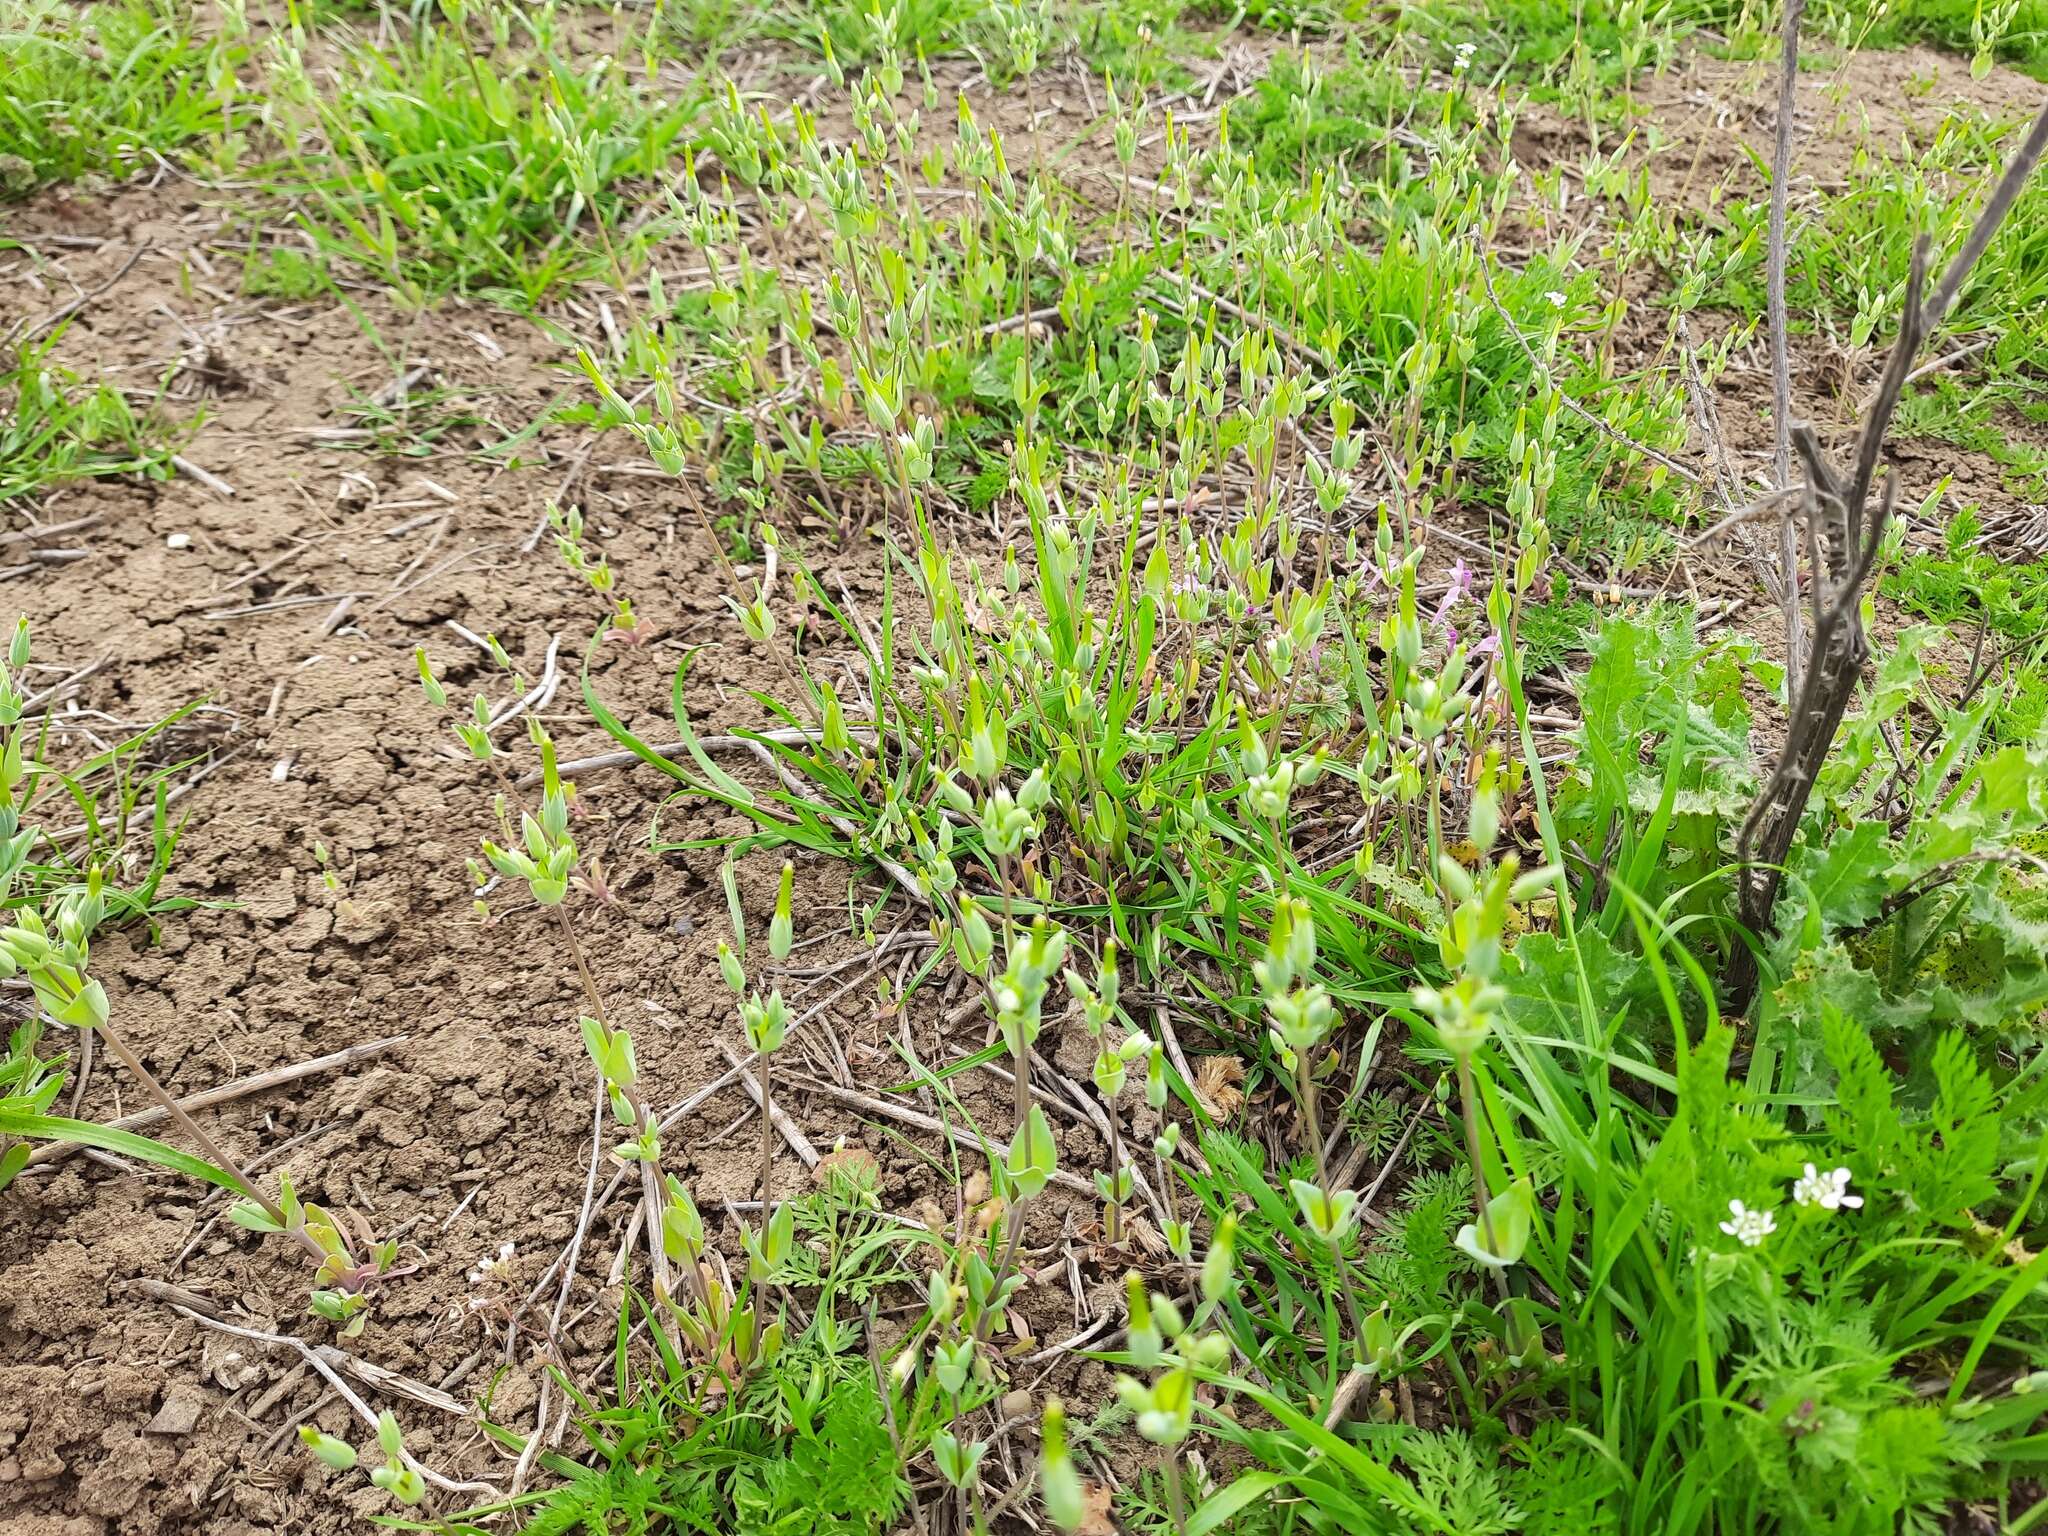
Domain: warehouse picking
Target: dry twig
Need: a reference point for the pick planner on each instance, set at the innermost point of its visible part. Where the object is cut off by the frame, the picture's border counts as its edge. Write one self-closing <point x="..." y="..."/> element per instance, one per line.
<point x="1845" y="529"/>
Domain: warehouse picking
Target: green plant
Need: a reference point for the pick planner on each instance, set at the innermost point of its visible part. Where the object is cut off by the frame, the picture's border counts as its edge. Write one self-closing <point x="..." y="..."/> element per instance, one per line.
<point x="453" y="160"/>
<point x="1219" y="734"/>
<point x="806" y="1433"/>
<point x="101" y="91"/>
<point x="398" y="1475"/>
<point x="1847" y="271"/>
<point x="283" y="272"/>
<point x="54" y="428"/>
<point x="53" y="954"/>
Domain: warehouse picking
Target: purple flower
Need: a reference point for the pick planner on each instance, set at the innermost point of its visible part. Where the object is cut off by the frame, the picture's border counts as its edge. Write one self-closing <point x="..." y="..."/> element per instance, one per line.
<point x="1460" y="587"/>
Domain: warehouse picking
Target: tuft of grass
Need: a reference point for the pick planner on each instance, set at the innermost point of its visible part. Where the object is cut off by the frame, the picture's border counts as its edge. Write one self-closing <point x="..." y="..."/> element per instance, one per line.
<point x="856" y="32"/>
<point x="97" y="90"/>
<point x="1842" y="277"/>
<point x="55" y="427"/>
<point x="2012" y="31"/>
<point x="479" y="154"/>
<point x="283" y="272"/>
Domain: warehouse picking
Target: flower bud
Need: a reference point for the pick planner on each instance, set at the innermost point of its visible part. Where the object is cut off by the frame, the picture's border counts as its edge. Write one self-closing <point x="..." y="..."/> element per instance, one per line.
<point x="781" y="927"/>
<point x="1059" y="1483"/>
<point x="338" y="1454"/>
<point x="1219" y="1264"/>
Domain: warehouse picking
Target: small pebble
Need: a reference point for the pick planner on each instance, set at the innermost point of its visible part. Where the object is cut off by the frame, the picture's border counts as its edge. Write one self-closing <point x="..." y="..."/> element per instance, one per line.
<point x="178" y="541"/>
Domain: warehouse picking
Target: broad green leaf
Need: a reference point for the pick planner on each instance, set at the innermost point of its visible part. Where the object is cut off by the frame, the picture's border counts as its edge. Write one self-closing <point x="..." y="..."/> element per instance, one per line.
<point x="1849" y="879"/>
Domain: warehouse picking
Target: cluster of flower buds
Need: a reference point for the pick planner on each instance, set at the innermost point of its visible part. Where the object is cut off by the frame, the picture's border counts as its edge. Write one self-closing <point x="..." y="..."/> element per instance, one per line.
<point x="1501" y="1235"/>
<point x="14" y="751"/>
<point x="1328" y="1213"/>
<point x="987" y="749"/>
<point x="56" y="963"/>
<point x="1097" y="1002"/>
<point x="1464" y="1009"/>
<point x="1467" y="1009"/>
<point x="1333" y="485"/>
<point x="1175" y="1348"/>
<point x="705" y="1313"/>
<point x="1034" y="958"/>
<point x="596" y="571"/>
<point x="612" y="1052"/>
<point x="548" y="857"/>
<point x="1113" y="1061"/>
<point x="960" y="1312"/>
<point x="1033" y="1158"/>
<point x="1299" y="1012"/>
<point x="474" y="732"/>
<point x="958" y="1461"/>
<point x="769" y="1249"/>
<point x="396" y="1474"/>
<point x="1270" y="785"/>
<point x="756" y="618"/>
<point x="765" y="1018"/>
<point x="1423" y="701"/>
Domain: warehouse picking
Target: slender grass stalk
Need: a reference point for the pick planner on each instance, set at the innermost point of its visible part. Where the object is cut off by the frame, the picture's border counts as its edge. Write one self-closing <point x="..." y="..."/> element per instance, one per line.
<point x="643" y="1117"/>
<point x="1304" y="1088"/>
<point x="767" y="1132"/>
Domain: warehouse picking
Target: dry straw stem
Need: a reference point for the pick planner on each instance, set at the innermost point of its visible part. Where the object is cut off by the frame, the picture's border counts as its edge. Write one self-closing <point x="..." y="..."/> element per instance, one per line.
<point x="276" y="1078"/>
<point x="318" y="1359"/>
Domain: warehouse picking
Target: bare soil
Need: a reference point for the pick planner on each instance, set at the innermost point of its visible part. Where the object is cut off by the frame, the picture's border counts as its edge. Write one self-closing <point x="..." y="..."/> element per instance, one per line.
<point x="117" y="1412"/>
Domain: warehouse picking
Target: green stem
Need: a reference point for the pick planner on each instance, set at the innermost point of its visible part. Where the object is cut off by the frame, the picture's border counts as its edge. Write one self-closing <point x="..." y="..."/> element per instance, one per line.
<point x="1467" y="1102"/>
<point x="214" y="1152"/>
<point x="767" y="1142"/>
<point x="1113" y="1219"/>
<point x="643" y="1119"/>
<point x="1306" y="1090"/>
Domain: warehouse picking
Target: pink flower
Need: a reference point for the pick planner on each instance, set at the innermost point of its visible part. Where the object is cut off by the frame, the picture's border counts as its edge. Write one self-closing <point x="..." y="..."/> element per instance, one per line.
<point x="1460" y="587"/>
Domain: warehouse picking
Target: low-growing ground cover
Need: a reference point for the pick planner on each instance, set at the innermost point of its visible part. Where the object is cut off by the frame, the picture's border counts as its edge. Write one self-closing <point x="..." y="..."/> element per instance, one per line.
<point x="991" y="766"/>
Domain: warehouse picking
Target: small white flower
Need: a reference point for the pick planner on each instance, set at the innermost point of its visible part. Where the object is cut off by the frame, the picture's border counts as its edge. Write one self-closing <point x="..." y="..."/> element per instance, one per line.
<point x="1556" y="298"/>
<point x="488" y="1266"/>
<point x="1748" y="1227"/>
<point x="1829" y="1191"/>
